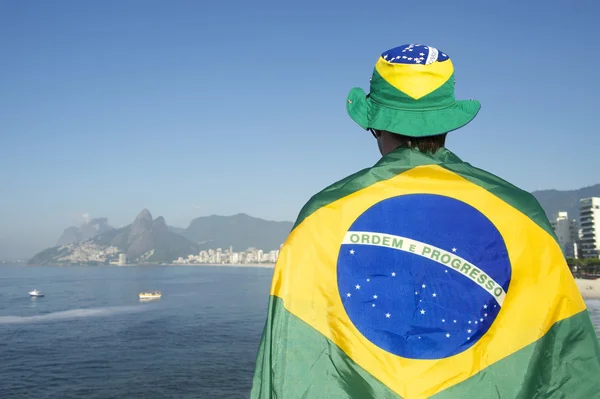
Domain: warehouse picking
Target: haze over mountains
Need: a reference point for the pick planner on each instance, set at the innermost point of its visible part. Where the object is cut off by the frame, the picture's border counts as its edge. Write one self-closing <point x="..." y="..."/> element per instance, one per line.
<point x="240" y="231"/>
<point x="86" y="231"/>
<point x="149" y="240"/>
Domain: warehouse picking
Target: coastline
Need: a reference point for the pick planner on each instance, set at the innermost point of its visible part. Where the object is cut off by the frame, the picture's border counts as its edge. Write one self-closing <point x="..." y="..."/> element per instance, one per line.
<point x="260" y="265"/>
<point x="590" y="289"/>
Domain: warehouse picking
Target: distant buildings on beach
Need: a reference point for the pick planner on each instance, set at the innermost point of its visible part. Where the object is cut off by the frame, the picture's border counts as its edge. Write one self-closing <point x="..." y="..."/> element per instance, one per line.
<point x="227" y="256"/>
<point x="580" y="240"/>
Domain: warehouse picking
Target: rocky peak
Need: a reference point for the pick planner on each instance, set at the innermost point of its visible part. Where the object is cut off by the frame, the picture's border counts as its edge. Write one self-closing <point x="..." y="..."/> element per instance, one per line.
<point x="141" y="225"/>
<point x="159" y="226"/>
<point x="144" y="215"/>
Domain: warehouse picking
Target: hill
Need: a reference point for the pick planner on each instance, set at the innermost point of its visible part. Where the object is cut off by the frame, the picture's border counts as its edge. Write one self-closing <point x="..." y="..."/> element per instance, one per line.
<point x="240" y="231"/>
<point x="144" y="241"/>
<point x="554" y="201"/>
<point x="84" y="232"/>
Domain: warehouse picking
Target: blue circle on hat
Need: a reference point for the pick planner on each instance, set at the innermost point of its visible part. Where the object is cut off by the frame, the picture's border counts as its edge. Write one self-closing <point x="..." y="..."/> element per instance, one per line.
<point x="419" y="306"/>
<point x="414" y="54"/>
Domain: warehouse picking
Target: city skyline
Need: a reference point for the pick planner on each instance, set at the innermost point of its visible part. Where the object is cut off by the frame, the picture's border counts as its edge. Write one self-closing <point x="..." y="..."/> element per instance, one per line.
<point x="579" y="240"/>
<point x="89" y="252"/>
<point x="213" y="108"/>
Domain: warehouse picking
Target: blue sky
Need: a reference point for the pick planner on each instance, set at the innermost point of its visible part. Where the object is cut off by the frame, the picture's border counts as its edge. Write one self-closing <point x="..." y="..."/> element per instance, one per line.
<point x="192" y="108"/>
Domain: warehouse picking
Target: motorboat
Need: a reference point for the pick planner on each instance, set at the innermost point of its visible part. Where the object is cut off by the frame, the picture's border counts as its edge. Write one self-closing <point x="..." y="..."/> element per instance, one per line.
<point x="35" y="294"/>
<point x="150" y="295"/>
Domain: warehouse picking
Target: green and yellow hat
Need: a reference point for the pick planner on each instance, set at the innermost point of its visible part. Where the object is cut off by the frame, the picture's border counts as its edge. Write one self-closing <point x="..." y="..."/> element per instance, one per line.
<point x="412" y="93"/>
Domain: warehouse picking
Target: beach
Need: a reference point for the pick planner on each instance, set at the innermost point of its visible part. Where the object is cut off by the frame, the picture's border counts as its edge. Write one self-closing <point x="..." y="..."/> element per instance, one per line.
<point x="590" y="289"/>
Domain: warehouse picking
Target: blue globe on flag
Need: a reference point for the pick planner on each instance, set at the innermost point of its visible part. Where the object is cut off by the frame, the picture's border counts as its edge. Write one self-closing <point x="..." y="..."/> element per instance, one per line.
<point x="423" y="276"/>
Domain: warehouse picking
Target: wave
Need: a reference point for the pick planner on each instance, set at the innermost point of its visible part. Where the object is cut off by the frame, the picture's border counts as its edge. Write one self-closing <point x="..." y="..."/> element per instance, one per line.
<point x="70" y="314"/>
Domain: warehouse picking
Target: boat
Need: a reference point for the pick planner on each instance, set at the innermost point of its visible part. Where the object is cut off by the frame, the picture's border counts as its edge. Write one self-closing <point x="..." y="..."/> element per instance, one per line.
<point x="150" y="295"/>
<point x="35" y="294"/>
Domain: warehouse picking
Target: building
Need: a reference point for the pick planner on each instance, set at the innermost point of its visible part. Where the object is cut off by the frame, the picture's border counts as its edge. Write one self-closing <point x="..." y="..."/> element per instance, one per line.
<point x="122" y="259"/>
<point x="567" y="233"/>
<point x="589" y="217"/>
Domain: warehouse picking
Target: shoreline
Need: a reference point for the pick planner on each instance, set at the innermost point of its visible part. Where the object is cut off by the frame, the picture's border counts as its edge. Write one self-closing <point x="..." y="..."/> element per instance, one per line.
<point x="259" y="265"/>
<point x="590" y="289"/>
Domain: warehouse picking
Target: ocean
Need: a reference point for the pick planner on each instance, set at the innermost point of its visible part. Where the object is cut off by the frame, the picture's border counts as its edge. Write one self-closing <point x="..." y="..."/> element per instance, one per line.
<point x="90" y="336"/>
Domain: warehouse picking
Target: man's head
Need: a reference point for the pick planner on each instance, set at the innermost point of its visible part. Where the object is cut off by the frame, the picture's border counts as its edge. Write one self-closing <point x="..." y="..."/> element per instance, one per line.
<point x="411" y="100"/>
<point x="388" y="142"/>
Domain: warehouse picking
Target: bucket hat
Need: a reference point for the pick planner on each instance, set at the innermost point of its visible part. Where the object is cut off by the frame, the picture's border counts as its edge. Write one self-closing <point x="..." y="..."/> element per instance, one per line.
<point x="411" y="93"/>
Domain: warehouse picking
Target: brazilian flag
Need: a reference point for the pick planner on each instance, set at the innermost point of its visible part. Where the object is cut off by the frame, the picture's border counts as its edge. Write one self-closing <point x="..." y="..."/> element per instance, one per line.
<point x="425" y="277"/>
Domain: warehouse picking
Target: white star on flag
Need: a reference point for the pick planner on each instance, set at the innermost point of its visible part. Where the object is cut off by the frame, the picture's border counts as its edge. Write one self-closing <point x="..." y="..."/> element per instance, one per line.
<point x="480" y="319"/>
<point x="348" y="295"/>
<point x="422" y="311"/>
<point x="423" y="286"/>
<point x="374" y="296"/>
<point x="368" y="280"/>
<point x="434" y="295"/>
<point x="443" y="320"/>
<point x="454" y="321"/>
<point x="373" y="305"/>
<point x="421" y="54"/>
<point x="453" y="249"/>
<point x="485" y="306"/>
<point x="393" y="274"/>
<point x="447" y="335"/>
<point x="469" y="331"/>
<point x="357" y="287"/>
<point x="351" y="252"/>
<point x="485" y="315"/>
<point x="387" y="315"/>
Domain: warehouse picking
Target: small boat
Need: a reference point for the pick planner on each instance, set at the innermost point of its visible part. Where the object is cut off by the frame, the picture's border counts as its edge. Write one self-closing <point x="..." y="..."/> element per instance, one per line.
<point x="150" y="295"/>
<point x="35" y="294"/>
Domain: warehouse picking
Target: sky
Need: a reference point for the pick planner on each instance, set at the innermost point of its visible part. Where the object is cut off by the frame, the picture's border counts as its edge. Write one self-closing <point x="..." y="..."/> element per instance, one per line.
<point x="191" y="108"/>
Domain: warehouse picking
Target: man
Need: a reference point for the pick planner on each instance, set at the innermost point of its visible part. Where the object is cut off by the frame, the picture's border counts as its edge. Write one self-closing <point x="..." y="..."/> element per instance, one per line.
<point x="423" y="276"/>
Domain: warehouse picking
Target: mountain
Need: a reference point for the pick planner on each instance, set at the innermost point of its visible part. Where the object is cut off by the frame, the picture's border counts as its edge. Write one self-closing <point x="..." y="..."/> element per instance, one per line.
<point x="86" y="231"/>
<point x="240" y="231"/>
<point x="146" y="240"/>
<point x="554" y="201"/>
<point x="145" y="235"/>
<point x="177" y="230"/>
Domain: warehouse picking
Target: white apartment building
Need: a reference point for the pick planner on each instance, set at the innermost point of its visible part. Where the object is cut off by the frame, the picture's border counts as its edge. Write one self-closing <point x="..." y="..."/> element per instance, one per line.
<point x="567" y="233"/>
<point x="589" y="217"/>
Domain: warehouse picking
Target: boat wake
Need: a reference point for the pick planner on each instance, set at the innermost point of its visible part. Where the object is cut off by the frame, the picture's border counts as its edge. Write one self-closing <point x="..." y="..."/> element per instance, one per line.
<point x="70" y="314"/>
